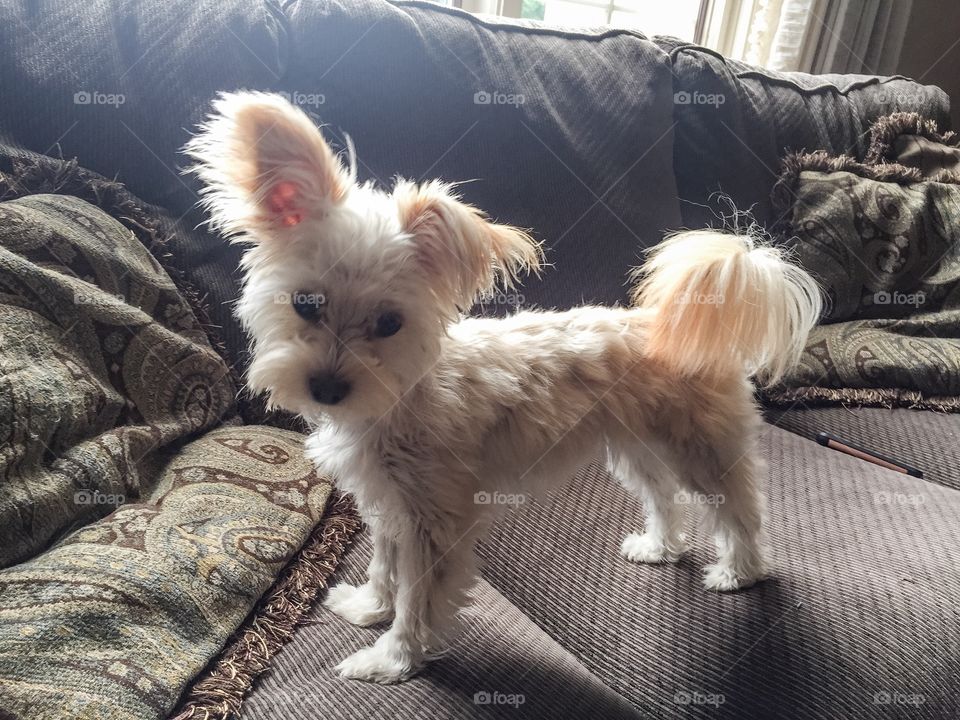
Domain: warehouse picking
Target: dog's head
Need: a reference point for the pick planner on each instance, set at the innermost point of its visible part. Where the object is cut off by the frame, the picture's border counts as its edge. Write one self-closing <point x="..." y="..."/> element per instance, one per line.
<point x="348" y="289"/>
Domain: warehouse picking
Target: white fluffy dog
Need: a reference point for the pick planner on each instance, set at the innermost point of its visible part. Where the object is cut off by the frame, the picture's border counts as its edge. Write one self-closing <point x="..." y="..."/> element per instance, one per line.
<point x="353" y="299"/>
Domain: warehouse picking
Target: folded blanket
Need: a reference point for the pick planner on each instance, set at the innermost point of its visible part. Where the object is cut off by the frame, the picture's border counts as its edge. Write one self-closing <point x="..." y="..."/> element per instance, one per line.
<point x="103" y="365"/>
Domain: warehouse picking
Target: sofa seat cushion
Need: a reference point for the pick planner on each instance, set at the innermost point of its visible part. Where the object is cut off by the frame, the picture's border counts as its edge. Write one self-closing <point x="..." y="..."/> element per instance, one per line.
<point x="855" y="621"/>
<point x="503" y="666"/>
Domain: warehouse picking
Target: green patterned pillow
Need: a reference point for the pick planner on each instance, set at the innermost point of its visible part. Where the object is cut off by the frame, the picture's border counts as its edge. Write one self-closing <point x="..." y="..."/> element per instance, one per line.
<point x="105" y="367"/>
<point x="885" y="245"/>
<point x="117" y="618"/>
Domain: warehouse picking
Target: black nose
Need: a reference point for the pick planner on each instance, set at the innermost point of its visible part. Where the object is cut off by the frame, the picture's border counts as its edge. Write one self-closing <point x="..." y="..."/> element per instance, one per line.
<point x="328" y="389"/>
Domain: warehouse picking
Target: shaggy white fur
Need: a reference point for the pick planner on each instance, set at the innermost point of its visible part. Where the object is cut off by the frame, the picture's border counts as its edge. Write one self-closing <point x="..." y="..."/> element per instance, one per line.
<point x="352" y="298"/>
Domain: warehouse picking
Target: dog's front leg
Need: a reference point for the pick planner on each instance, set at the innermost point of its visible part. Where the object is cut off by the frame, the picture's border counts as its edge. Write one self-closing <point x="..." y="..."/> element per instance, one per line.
<point x="372" y="602"/>
<point x="432" y="577"/>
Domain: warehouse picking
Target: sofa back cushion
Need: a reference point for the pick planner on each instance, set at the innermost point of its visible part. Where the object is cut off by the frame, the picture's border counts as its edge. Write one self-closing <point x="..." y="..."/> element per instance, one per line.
<point x="735" y="122"/>
<point x="566" y="133"/>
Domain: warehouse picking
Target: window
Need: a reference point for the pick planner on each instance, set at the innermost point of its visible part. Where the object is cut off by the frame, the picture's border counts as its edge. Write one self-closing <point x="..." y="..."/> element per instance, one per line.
<point x="653" y="17"/>
<point x="815" y="36"/>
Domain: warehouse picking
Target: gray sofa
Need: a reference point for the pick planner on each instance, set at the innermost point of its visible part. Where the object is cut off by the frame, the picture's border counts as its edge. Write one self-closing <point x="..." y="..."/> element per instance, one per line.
<point x="591" y="139"/>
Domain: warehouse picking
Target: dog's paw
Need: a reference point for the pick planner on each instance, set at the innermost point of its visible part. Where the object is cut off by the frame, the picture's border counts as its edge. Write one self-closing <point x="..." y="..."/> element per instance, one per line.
<point x="378" y="663"/>
<point x="648" y="549"/>
<point x="724" y="577"/>
<point x="357" y="605"/>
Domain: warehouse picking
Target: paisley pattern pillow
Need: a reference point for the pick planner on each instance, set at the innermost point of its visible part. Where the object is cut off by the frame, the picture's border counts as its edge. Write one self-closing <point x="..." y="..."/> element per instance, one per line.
<point x="104" y="366"/>
<point x="885" y="245"/>
<point x="115" y="619"/>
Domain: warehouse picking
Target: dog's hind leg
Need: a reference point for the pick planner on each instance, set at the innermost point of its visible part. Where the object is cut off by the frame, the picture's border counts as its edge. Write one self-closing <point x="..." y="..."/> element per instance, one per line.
<point x="737" y="521"/>
<point x="649" y="475"/>
<point x="724" y="475"/>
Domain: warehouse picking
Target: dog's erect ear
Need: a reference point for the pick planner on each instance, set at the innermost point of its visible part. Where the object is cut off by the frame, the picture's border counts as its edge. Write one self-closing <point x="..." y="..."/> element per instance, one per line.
<point x="461" y="252"/>
<point x="265" y="165"/>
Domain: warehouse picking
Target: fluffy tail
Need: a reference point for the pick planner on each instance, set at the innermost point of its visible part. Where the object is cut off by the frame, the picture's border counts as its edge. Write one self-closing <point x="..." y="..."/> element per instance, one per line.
<point x="723" y="303"/>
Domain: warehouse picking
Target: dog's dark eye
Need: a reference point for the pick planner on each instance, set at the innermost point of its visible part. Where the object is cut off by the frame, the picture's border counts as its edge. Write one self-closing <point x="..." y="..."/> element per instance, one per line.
<point x="389" y="323"/>
<point x="307" y="305"/>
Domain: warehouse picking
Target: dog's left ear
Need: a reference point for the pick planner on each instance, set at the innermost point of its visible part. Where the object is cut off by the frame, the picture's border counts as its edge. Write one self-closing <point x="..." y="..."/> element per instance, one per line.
<point x="265" y="165"/>
<point x="460" y="250"/>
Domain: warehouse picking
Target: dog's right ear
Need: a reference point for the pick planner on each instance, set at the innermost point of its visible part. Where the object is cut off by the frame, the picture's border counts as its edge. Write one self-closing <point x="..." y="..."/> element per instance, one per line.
<point x="265" y="165"/>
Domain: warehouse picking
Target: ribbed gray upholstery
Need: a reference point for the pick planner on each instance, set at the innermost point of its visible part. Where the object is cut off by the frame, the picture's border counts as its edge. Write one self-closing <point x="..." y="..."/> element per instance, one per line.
<point x="862" y="608"/>
<point x="503" y="666"/>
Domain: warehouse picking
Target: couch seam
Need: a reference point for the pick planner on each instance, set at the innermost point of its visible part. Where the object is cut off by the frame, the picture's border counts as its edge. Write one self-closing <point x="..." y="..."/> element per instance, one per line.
<point x="693" y="48"/>
<point x="571" y="653"/>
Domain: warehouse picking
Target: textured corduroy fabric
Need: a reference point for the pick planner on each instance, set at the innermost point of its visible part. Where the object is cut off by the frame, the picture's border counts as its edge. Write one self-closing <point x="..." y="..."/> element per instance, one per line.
<point x="861" y="606"/>
<point x="569" y="133"/>
<point x="859" y="620"/>
<point x="503" y="666"/>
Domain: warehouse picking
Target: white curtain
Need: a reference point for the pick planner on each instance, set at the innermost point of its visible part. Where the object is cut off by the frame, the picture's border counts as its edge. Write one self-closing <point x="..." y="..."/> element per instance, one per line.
<point x="818" y="36"/>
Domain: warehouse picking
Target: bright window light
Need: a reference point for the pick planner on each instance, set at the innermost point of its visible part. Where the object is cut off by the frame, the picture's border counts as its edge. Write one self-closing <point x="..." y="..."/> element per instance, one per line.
<point x="652" y="17"/>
